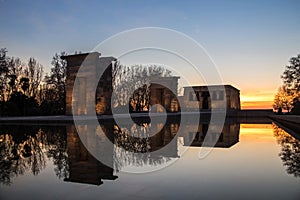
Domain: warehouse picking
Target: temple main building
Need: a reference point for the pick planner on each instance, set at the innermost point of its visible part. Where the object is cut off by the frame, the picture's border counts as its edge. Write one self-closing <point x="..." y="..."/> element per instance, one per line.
<point x="210" y="97"/>
<point x="82" y="100"/>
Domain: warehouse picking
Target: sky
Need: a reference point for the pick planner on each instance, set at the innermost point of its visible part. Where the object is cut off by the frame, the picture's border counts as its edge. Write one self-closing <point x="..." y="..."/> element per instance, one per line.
<point x="249" y="41"/>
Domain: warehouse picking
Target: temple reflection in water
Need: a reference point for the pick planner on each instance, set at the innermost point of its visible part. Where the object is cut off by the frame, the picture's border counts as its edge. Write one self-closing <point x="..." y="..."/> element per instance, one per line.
<point x="21" y="152"/>
<point x="83" y="167"/>
<point x="227" y="138"/>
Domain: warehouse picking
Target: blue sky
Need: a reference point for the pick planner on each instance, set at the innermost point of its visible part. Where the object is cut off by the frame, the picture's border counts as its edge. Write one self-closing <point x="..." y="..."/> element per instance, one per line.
<point x="250" y="41"/>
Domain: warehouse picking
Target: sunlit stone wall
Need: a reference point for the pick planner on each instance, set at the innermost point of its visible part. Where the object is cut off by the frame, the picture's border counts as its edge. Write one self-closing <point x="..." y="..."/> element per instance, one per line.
<point x="211" y="97"/>
<point x="163" y="91"/>
<point x="84" y="97"/>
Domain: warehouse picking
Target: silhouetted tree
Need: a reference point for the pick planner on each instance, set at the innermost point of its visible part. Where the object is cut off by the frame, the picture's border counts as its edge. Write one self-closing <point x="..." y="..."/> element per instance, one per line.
<point x="291" y="75"/>
<point x="14" y="74"/>
<point x="133" y="84"/>
<point x="55" y="88"/>
<point x="34" y="73"/>
<point x="284" y="99"/>
<point x="12" y="83"/>
<point x="24" y="82"/>
<point x="20" y="86"/>
<point x="288" y="95"/>
<point x="3" y="72"/>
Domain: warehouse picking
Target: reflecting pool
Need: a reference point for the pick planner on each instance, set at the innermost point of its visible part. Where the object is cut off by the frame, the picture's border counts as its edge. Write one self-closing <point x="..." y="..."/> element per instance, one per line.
<point x="251" y="160"/>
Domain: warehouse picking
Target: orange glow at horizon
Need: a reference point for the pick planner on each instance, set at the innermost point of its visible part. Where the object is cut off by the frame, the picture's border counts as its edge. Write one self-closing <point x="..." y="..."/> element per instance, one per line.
<point x="263" y="132"/>
<point x="256" y="104"/>
<point x="257" y="100"/>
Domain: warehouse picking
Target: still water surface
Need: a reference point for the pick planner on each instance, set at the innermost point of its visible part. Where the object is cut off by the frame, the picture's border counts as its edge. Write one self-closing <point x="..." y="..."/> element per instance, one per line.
<point x="249" y="161"/>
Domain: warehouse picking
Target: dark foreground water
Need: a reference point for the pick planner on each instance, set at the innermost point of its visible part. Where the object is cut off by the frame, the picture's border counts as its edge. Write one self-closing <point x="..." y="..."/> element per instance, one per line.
<point x="249" y="161"/>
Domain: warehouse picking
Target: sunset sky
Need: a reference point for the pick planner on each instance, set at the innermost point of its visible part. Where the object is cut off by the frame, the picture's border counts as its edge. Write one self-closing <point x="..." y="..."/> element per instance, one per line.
<point x="250" y="41"/>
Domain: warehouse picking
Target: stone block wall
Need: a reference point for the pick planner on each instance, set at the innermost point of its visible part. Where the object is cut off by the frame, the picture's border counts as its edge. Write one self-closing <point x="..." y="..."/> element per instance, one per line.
<point x="91" y="92"/>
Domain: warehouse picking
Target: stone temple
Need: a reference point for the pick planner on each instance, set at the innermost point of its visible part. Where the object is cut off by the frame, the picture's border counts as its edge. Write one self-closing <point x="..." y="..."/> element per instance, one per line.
<point x="83" y="100"/>
<point x="211" y="97"/>
<point x="83" y="97"/>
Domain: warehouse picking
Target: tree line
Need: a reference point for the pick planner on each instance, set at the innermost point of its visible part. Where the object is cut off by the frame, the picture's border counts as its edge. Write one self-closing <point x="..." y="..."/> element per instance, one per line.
<point x="288" y="95"/>
<point x="25" y="90"/>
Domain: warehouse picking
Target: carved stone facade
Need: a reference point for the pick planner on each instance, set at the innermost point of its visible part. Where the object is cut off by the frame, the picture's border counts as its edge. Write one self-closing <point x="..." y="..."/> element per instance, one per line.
<point x="211" y="97"/>
<point x="83" y="97"/>
<point x="163" y="91"/>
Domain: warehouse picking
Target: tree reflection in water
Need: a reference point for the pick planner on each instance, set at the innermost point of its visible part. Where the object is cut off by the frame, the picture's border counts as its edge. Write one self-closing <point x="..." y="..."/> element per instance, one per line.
<point x="129" y="143"/>
<point x="25" y="149"/>
<point x="290" y="150"/>
<point x="20" y="152"/>
<point x="56" y="149"/>
<point x="139" y="141"/>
